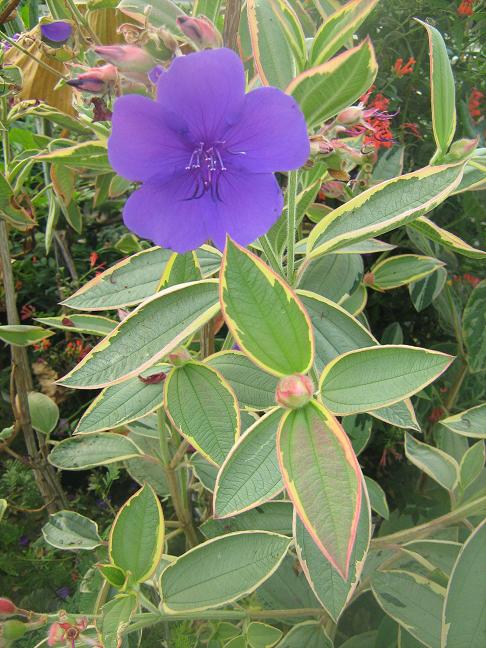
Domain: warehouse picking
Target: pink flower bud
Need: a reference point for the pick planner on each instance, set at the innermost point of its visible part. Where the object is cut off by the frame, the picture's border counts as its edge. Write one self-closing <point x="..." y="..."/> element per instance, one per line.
<point x="294" y="391"/>
<point x="55" y="636"/>
<point x="200" y="30"/>
<point x="97" y="80"/>
<point x="7" y="607"/>
<point x="461" y="149"/>
<point x="127" y="58"/>
<point x="350" y="116"/>
<point x="13" y="629"/>
<point x="179" y="357"/>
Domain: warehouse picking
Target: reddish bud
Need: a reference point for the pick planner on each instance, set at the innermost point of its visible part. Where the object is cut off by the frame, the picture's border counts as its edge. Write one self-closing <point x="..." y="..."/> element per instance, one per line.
<point x="97" y="80"/>
<point x="67" y="322"/>
<point x="127" y="58"/>
<point x="294" y="391"/>
<point x="55" y="636"/>
<point x="461" y="149"/>
<point x="154" y="379"/>
<point x="13" y="629"/>
<point x="369" y="279"/>
<point x="350" y="116"/>
<point x="179" y="357"/>
<point x="7" y="607"/>
<point x="200" y="30"/>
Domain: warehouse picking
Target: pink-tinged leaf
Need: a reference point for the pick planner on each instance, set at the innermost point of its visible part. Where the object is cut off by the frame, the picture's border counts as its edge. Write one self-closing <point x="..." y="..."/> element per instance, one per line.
<point x="323" y="479"/>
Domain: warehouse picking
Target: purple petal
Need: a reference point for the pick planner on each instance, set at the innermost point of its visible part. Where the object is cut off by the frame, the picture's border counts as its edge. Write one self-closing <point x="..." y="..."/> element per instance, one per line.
<point x="250" y="204"/>
<point x="57" y="32"/>
<point x="271" y="131"/>
<point x="141" y="144"/>
<point x="160" y="212"/>
<point x="205" y="90"/>
<point x="155" y="73"/>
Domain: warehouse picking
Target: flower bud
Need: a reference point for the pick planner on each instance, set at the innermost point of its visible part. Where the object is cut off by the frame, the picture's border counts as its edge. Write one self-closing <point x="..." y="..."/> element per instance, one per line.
<point x="55" y="635"/>
<point x="129" y="58"/>
<point x="369" y="279"/>
<point x="7" y="606"/>
<point x="294" y="391"/>
<point x="350" y="116"/>
<point x="200" y="30"/>
<point x="57" y="32"/>
<point x="13" y="629"/>
<point x="461" y="149"/>
<point x="179" y="357"/>
<point x="97" y="80"/>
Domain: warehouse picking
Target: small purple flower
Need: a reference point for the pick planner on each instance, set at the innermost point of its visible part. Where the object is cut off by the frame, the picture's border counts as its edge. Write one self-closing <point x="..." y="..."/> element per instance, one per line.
<point x="206" y="153"/>
<point x="57" y="32"/>
<point x="63" y="593"/>
<point x="24" y="541"/>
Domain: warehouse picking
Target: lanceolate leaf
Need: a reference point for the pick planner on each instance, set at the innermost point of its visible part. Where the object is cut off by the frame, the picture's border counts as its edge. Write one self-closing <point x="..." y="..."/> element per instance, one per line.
<point x="338" y="28"/>
<point x="332" y="591"/>
<point x="89" y="324"/>
<point x="204" y="409"/>
<point x="323" y="479"/>
<point x="23" y="334"/>
<point x="88" y="450"/>
<point x="400" y="414"/>
<point x="401" y="270"/>
<point x="150" y="332"/>
<point x="136" y="540"/>
<point x="384" y="207"/>
<point x="369" y="379"/>
<point x="323" y="91"/>
<point x="432" y="231"/>
<point x="474" y="328"/>
<point x="470" y="423"/>
<point x="70" y="530"/>
<point x="265" y="317"/>
<point x="200" y="579"/>
<point x="432" y="461"/>
<point x="464" y="619"/>
<point x="250" y="474"/>
<point x="442" y="90"/>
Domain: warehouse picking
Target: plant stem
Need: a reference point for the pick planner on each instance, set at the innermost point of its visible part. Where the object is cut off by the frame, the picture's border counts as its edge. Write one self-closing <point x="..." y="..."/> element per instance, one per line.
<point x="181" y="511"/>
<point x="271" y="255"/>
<point x="39" y="62"/>
<point x="231" y="23"/>
<point x="82" y="20"/>
<point x="291" y="223"/>
<point x="456" y="386"/>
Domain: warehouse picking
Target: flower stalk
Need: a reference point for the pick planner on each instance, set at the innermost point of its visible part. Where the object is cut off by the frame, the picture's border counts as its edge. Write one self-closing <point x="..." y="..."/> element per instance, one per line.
<point x="291" y="223"/>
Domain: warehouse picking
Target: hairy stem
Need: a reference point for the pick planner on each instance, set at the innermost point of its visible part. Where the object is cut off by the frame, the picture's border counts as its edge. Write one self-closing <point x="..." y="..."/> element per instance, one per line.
<point x="291" y="223"/>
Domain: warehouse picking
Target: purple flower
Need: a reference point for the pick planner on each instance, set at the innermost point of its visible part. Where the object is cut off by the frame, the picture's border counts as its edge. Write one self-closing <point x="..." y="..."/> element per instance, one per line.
<point x="155" y="73"/>
<point x="63" y="592"/>
<point x="56" y="32"/>
<point x="206" y="153"/>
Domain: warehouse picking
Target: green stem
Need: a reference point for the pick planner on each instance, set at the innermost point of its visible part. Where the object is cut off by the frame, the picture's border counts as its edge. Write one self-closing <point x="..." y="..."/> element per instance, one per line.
<point x="148" y="605"/>
<point x="456" y="387"/>
<point x="271" y="255"/>
<point x="82" y="20"/>
<point x="291" y="223"/>
<point x="33" y="57"/>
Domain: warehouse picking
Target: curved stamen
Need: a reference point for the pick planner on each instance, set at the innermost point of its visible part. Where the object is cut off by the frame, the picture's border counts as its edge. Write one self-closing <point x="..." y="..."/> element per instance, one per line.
<point x="207" y="165"/>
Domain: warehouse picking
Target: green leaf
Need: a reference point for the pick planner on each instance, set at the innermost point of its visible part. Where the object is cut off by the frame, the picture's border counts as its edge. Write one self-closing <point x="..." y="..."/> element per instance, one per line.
<point x="442" y="90"/>
<point x="425" y="291"/>
<point x="464" y="620"/>
<point x="264" y="316"/>
<point x="450" y="241"/>
<point x="199" y="579"/>
<point x="384" y="207"/>
<point x="164" y="13"/>
<point x="154" y="329"/>
<point x="115" y="616"/>
<point x="335" y="330"/>
<point x="180" y="268"/>
<point x="89" y="450"/>
<point x="274" y="42"/>
<point x="472" y="464"/>
<point x="333" y="592"/>
<point x="114" y="575"/>
<point x="323" y="91"/>
<point x="136" y="539"/>
<point x="253" y="387"/>
<point x="323" y="479"/>
<point x="250" y="474"/>
<point x="401" y="270"/>
<point x="310" y="634"/>
<point x="331" y="276"/>
<point x="23" y="334"/>
<point x="206" y="472"/>
<point x="433" y="462"/>
<point x="474" y="328"/>
<point x="470" y="423"/>
<point x="89" y="324"/>
<point x="397" y="371"/>
<point x="44" y="412"/>
<point x="440" y="553"/>
<point x="70" y="530"/>
<point x="86" y="155"/>
<point x="399" y="414"/>
<point x="377" y="498"/>
<point x="412" y="601"/>
<point x="262" y="635"/>
<point x="127" y="283"/>
<point x="275" y="516"/>
<point x="339" y="28"/>
<point x="126" y="402"/>
<point x="203" y="407"/>
<point x="358" y="427"/>
<point x="389" y="164"/>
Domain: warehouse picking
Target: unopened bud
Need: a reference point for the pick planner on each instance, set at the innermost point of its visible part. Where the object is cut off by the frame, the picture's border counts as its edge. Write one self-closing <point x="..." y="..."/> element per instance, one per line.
<point x="7" y="607"/>
<point x="127" y="58"/>
<point x="97" y="80"/>
<point x="294" y="391"/>
<point x="179" y="357"/>
<point x="13" y="629"/>
<point x="55" y="635"/>
<point x="200" y="30"/>
<point x="461" y="149"/>
<point x="369" y="279"/>
<point x="350" y="116"/>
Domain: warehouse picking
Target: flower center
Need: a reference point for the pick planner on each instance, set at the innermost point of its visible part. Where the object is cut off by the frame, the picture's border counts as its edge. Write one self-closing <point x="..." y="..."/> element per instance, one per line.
<point x="206" y="165"/>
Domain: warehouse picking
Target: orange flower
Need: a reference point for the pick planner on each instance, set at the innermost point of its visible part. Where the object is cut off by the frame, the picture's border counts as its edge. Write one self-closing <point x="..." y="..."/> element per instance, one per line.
<point x="475" y="103"/>
<point x="93" y="258"/>
<point x="466" y="8"/>
<point x="401" y="69"/>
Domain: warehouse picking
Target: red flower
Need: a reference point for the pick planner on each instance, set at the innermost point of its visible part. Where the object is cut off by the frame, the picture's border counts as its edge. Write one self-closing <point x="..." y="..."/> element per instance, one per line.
<point x="26" y="312"/>
<point x="466" y="8"/>
<point x="401" y="69"/>
<point x="436" y="414"/>
<point x="475" y="103"/>
<point x="471" y="279"/>
<point x="93" y="258"/>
